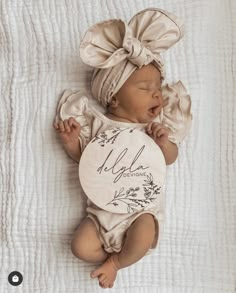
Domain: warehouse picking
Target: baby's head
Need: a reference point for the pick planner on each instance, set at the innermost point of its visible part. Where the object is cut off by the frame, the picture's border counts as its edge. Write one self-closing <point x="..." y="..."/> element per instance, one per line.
<point x="139" y="100"/>
<point x="128" y="63"/>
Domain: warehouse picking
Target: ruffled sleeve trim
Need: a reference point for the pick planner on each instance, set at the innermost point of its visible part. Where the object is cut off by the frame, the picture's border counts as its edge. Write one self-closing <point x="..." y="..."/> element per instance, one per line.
<point x="76" y="105"/>
<point x="176" y="111"/>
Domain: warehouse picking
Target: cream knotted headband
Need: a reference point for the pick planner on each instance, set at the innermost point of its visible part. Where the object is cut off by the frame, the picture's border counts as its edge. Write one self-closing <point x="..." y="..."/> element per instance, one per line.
<point x="116" y="49"/>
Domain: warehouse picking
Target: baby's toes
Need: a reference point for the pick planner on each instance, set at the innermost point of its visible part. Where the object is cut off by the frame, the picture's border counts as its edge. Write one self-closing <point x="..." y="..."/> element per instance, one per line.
<point x="102" y="278"/>
<point x="104" y="285"/>
<point x="111" y="285"/>
<point x="106" y="282"/>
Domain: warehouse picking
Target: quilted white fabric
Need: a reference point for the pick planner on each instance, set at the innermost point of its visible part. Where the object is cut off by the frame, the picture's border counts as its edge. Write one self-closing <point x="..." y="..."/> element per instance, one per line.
<point x="41" y="200"/>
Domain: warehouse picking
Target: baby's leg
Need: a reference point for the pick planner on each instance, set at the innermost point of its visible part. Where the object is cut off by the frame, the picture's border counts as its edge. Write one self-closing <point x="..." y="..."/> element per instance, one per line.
<point x="139" y="240"/>
<point x="86" y="244"/>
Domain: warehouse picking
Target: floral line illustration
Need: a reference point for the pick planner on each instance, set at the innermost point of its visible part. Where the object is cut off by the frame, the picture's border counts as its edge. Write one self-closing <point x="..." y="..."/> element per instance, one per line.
<point x="103" y="138"/>
<point x="129" y="197"/>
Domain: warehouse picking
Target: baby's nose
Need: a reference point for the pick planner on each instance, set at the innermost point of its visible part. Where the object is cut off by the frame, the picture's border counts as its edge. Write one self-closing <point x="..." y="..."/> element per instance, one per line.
<point x="157" y="93"/>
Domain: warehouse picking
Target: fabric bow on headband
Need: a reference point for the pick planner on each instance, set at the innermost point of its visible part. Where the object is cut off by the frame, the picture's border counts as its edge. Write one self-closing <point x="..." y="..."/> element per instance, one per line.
<point x="116" y="49"/>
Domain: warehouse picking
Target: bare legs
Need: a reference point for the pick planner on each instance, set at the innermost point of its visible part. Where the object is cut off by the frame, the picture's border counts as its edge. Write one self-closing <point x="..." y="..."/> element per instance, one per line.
<point x="138" y="241"/>
<point x="86" y="244"/>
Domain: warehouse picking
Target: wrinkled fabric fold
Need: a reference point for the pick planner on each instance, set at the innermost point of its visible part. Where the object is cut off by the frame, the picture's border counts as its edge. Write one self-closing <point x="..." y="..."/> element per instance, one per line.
<point x="177" y="111"/>
<point x="76" y="105"/>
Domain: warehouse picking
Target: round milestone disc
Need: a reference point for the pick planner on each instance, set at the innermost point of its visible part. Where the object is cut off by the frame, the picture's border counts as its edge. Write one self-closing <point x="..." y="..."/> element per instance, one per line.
<point x="122" y="170"/>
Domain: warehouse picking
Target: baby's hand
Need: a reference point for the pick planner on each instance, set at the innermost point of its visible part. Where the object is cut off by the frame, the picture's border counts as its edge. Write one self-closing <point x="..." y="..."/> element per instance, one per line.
<point x="68" y="130"/>
<point x="158" y="133"/>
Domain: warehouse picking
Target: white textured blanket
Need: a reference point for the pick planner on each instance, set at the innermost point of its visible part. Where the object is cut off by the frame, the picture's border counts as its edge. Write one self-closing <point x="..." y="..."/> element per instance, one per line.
<point x="41" y="200"/>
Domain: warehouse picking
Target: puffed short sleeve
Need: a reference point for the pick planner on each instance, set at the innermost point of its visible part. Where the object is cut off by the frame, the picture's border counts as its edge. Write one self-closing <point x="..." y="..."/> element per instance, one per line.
<point x="76" y="105"/>
<point x="176" y="111"/>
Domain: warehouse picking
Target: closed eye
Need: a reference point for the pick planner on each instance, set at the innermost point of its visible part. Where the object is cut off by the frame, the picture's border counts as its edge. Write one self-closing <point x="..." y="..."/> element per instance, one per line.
<point x="144" y="89"/>
<point x="148" y="89"/>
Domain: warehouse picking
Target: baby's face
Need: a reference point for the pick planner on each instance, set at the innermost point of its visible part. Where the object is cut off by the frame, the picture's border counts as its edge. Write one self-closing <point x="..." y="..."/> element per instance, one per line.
<point x="140" y="98"/>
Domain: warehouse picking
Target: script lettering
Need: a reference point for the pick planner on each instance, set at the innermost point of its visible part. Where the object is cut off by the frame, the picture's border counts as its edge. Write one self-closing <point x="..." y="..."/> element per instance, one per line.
<point x="119" y="171"/>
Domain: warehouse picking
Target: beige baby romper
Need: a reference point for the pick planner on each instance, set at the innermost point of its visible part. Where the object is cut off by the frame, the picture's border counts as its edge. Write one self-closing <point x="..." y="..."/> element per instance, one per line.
<point x="175" y="115"/>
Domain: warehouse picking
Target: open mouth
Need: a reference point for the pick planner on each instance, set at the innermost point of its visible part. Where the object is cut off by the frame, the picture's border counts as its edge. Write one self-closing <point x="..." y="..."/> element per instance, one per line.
<point x="154" y="110"/>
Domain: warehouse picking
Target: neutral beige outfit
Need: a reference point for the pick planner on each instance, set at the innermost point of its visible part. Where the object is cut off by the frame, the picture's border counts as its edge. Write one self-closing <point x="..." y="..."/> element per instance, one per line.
<point x="116" y="49"/>
<point x="175" y="115"/>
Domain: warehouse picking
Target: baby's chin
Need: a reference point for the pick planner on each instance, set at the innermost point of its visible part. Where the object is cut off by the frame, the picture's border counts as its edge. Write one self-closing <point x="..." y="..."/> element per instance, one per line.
<point x="148" y="117"/>
<point x="145" y="120"/>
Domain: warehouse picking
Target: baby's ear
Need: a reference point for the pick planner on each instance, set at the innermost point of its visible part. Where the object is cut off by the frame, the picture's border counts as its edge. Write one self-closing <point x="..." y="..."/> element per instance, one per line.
<point x="114" y="102"/>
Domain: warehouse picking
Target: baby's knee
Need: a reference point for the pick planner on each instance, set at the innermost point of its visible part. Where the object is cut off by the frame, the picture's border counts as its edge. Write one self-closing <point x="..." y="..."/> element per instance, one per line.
<point x="79" y="248"/>
<point x="148" y="221"/>
<point x="148" y="225"/>
<point x="152" y="229"/>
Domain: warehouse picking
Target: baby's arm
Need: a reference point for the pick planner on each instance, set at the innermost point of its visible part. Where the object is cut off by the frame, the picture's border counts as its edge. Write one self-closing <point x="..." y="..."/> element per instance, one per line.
<point x="69" y="131"/>
<point x="159" y="134"/>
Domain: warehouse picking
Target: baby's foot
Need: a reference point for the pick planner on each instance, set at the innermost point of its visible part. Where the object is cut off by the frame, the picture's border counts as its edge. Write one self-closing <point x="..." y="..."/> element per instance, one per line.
<point x="107" y="272"/>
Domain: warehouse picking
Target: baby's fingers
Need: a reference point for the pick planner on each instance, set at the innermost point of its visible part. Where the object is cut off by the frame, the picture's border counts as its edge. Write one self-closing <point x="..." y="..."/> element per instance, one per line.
<point x="161" y="132"/>
<point x="73" y="123"/>
<point x="155" y="128"/>
<point x="66" y="125"/>
<point x="149" y="127"/>
<point x="61" y="126"/>
<point x="55" y="125"/>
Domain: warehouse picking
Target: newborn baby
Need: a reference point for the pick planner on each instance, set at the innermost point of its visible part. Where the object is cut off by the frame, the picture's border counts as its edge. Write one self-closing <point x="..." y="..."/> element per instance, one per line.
<point x="132" y="97"/>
